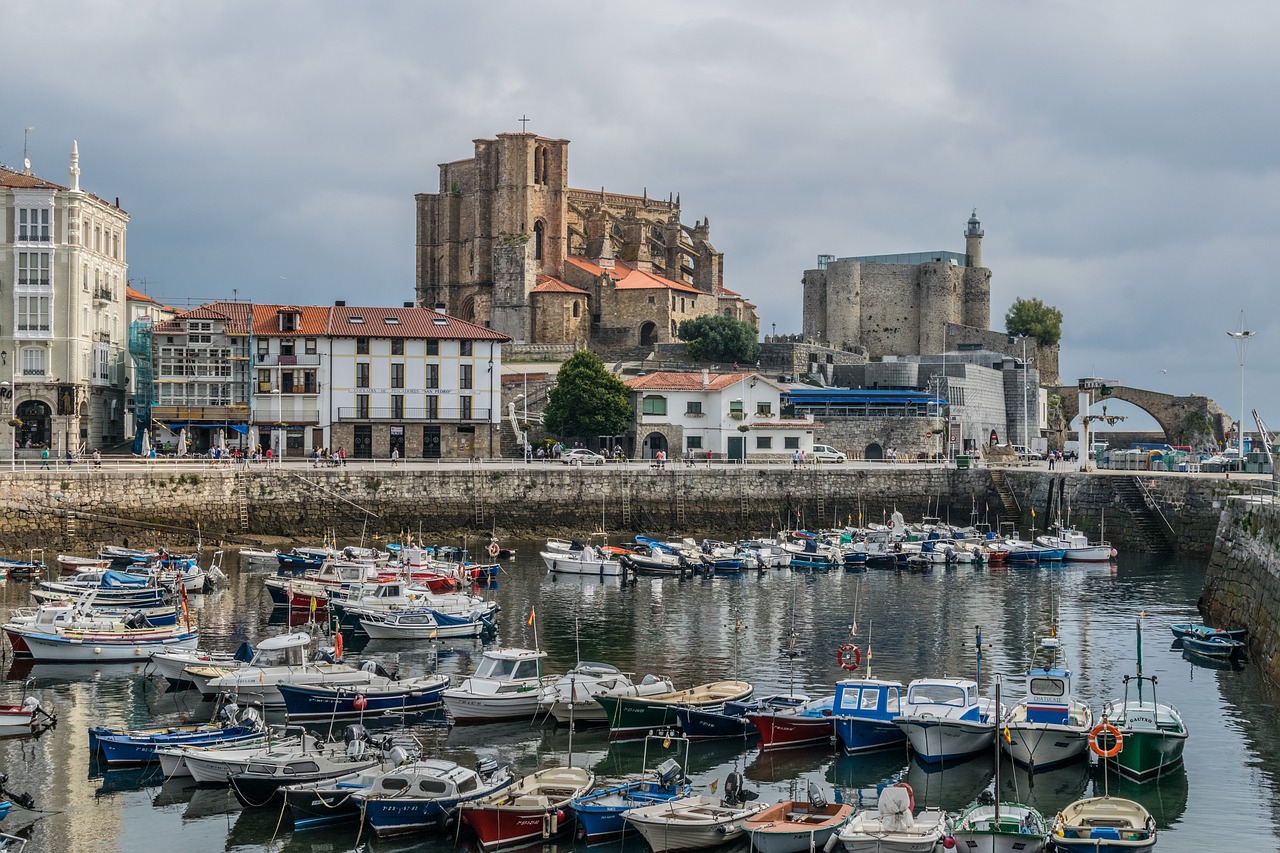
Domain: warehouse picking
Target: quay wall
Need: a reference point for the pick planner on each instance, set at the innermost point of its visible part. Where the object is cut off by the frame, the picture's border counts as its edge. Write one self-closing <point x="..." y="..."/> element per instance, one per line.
<point x="75" y="510"/>
<point x="1242" y="583"/>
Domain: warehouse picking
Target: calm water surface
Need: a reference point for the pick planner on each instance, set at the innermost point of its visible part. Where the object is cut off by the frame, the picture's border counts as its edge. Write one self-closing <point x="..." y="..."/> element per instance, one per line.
<point x="694" y="631"/>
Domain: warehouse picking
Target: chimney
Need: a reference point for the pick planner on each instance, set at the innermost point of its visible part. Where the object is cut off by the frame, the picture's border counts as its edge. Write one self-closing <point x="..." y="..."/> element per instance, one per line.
<point x="706" y="377"/>
<point x="440" y="306"/>
<point x="339" y="303"/>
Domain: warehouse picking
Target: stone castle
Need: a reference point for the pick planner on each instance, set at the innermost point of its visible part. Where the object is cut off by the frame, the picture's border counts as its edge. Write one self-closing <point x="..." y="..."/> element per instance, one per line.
<point x="506" y="243"/>
<point x="898" y="304"/>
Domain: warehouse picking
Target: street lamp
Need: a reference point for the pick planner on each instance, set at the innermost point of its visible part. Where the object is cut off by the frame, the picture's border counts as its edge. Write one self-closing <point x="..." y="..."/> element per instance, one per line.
<point x="1023" y="338"/>
<point x="524" y="431"/>
<point x="275" y="427"/>
<point x="6" y="392"/>
<point x="1242" y="343"/>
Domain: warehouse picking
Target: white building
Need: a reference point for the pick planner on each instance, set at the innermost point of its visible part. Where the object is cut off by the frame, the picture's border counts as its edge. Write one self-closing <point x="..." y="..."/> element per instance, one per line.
<point x="62" y="312"/>
<point x="730" y="415"/>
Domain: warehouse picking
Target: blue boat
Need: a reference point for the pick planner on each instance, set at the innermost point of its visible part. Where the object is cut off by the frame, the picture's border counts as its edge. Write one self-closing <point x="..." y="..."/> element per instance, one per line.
<point x="600" y="812"/>
<point x="384" y="696"/>
<point x="1218" y="646"/>
<point x="297" y="564"/>
<point x="138" y="746"/>
<point x="864" y="709"/>
<point x="426" y="794"/>
<point x="5" y="805"/>
<point x="1185" y="629"/>
<point x="730" y="721"/>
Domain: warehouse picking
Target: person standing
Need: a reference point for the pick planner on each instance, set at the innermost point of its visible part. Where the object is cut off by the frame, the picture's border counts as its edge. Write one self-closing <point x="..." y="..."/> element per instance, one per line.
<point x="395" y="457"/>
<point x="44" y="459"/>
<point x="97" y="458"/>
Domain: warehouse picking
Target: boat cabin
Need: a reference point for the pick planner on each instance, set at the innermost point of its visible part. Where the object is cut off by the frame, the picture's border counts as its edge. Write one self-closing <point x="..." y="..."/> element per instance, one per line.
<point x="285" y="650"/>
<point x="511" y="665"/>
<point x="867" y="698"/>
<point x="428" y="779"/>
<point x="954" y="698"/>
<point x="1048" y="685"/>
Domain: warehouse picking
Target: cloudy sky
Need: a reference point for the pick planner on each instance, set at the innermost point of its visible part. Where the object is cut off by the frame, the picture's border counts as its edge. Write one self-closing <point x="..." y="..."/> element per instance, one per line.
<point x="1121" y="156"/>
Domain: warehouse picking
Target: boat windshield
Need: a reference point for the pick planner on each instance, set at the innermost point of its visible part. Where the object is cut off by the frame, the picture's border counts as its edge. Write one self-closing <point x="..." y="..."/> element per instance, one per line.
<point x="500" y="668"/>
<point x="936" y="694"/>
<point x="1048" y="687"/>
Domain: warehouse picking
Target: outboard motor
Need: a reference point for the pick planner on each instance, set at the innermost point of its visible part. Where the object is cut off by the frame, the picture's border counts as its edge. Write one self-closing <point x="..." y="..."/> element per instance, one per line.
<point x="486" y="765"/>
<point x="230" y="712"/>
<point x="355" y="748"/>
<point x="23" y="800"/>
<point x="734" y="793"/>
<point x="397" y="755"/>
<point x="817" y="800"/>
<point x="669" y="773"/>
<point x="251" y="718"/>
<point x="355" y="732"/>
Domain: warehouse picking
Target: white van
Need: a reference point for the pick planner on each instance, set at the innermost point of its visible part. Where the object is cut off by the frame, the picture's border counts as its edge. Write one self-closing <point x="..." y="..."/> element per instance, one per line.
<point x="827" y="453"/>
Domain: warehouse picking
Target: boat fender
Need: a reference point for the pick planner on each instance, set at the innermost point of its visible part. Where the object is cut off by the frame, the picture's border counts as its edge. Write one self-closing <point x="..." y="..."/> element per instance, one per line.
<point x="832" y="841"/>
<point x="1117" y="740"/>
<point x="359" y="703"/>
<point x="948" y="841"/>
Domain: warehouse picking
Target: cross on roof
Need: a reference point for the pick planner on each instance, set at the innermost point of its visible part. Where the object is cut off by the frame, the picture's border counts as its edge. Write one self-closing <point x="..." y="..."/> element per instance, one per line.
<point x="524" y="123"/>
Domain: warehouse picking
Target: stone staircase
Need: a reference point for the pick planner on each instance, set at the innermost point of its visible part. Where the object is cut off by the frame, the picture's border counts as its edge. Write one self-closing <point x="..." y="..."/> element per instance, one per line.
<point x="1010" y="510"/>
<point x="1146" y="520"/>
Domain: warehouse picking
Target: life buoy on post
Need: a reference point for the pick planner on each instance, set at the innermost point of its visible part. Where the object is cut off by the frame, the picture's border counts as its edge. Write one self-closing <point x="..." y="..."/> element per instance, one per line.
<point x="850" y="657"/>
<point x="493" y="549"/>
<point x="1117" y="740"/>
<point x="337" y="645"/>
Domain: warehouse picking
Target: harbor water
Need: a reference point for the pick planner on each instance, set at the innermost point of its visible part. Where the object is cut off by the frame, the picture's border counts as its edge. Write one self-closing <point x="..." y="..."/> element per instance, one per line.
<point x="778" y="629"/>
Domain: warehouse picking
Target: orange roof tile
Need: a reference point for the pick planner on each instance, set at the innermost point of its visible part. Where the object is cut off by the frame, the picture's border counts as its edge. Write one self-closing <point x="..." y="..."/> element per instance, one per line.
<point x="640" y="280"/>
<point x="312" y="320"/>
<point x="139" y="296"/>
<point x="18" y="180"/>
<point x="549" y="284"/>
<point x="583" y="263"/>
<point x="679" y="381"/>
<point x="356" y="322"/>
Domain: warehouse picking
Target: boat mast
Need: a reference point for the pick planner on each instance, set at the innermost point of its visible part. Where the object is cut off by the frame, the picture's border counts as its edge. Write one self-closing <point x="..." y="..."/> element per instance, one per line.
<point x="1139" y="658"/>
<point x="999" y="734"/>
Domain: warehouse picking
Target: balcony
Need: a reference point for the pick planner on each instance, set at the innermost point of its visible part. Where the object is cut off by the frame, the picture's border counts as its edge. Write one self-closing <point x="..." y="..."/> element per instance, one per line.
<point x="286" y="414"/>
<point x="409" y="413"/>
<point x="103" y="295"/>
<point x="263" y="359"/>
<point x="201" y="414"/>
<point x="26" y="234"/>
<point x="102" y="337"/>
<point x="32" y="281"/>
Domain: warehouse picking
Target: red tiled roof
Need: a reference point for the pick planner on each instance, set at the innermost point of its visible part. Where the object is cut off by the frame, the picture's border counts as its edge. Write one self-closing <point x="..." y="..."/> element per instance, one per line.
<point x="406" y="323"/>
<point x="312" y="320"/>
<point x="549" y="284"/>
<point x="583" y="263"/>
<point x="139" y="296"/>
<point x="235" y="317"/>
<point x="682" y="381"/>
<point x="18" y="180"/>
<point x="724" y="291"/>
<point x="626" y="277"/>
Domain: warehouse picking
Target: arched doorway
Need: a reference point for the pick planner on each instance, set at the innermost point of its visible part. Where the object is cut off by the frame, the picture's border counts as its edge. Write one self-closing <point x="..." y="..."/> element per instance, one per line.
<point x="37" y="423"/>
<point x="467" y="311"/>
<point x="653" y="442"/>
<point x="648" y="334"/>
<point x="873" y="453"/>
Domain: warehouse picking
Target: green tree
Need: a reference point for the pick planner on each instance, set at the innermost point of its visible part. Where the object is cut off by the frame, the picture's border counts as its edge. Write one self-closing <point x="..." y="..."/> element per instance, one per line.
<point x="1032" y="317"/>
<point x="588" y="400"/>
<point x="720" y="339"/>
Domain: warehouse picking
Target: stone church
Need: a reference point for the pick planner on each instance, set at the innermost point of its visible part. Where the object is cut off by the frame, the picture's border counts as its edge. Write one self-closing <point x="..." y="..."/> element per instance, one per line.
<point x="508" y="244"/>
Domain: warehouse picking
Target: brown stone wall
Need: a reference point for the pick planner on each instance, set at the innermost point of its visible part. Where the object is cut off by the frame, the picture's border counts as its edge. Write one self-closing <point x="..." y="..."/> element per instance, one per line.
<point x="1242" y="583"/>
<point x="555" y="320"/>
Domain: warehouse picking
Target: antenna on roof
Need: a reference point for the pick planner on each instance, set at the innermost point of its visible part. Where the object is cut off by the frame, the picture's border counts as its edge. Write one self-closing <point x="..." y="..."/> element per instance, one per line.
<point x="26" y="136"/>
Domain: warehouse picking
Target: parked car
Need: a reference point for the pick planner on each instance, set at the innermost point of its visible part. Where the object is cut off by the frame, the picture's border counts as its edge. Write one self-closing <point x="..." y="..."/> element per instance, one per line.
<point x="1025" y="454"/>
<point x="827" y="453"/>
<point x="581" y="456"/>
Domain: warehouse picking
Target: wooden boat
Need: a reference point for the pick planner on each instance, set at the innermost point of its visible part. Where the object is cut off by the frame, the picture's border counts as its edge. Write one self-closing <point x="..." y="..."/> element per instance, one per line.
<point x="1182" y="630"/>
<point x="587" y="680"/>
<point x="804" y="725"/>
<point x="632" y="717"/>
<point x="863" y="711"/>
<point x="1215" y="646"/>
<point x="138" y="746"/>
<point x="894" y="826"/>
<point x="534" y="808"/>
<point x="507" y="685"/>
<point x="1104" y="825"/>
<point x="797" y="826"/>
<point x="1049" y="726"/>
<point x="71" y="645"/>
<point x="692" y="823"/>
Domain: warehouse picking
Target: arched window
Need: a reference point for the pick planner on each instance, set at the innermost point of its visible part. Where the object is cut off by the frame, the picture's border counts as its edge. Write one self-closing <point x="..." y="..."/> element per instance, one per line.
<point x="537" y="240"/>
<point x="577" y="308"/>
<point x="540" y="170"/>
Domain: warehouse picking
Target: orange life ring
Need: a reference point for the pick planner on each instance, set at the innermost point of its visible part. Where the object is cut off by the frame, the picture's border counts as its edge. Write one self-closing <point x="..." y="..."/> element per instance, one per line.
<point x="494" y="549"/>
<point x="337" y="645"/>
<point x="1117" y="740"/>
<point x="910" y="793"/>
<point x="850" y="657"/>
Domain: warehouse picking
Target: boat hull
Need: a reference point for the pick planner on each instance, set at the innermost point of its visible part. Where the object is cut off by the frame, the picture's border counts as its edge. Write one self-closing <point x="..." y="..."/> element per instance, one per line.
<point x="859" y="735"/>
<point x="936" y="739"/>
<point x="1040" y="745"/>
<point x="795" y="827"/>
<point x="694" y="823"/>
<point x="474" y="709"/>
<point x="865" y="834"/>
<point x="567" y="564"/>
<point x="304" y="702"/>
<point x="48" y="648"/>
<point x="785" y="731"/>
<point x="1147" y="755"/>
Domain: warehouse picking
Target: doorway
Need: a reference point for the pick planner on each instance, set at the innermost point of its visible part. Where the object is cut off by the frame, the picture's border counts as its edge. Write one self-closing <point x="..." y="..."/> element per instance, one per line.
<point x="737" y="448"/>
<point x="362" y="441"/>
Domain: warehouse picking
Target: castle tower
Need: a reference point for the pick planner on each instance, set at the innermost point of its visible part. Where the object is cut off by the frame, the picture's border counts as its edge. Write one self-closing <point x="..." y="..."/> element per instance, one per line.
<point x="973" y="241"/>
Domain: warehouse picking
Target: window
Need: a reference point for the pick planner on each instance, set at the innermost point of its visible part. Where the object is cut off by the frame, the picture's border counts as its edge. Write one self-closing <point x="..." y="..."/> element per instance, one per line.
<point x="577" y="309"/>
<point x="309" y="346"/>
<point x="465" y="376"/>
<point x="397" y="346"/>
<point x="362" y="374"/>
<point x="309" y="384"/>
<point x="362" y="405"/>
<point x="653" y="406"/>
<point x="264" y="348"/>
<point x="362" y="346"/>
<point x="432" y="379"/>
<point x="693" y="407"/>
<point x="464" y="348"/>
<point x="433" y="408"/>
<point x="84" y="278"/>
<point x="791" y="442"/>
<point x="464" y="408"/>
<point x="764" y="410"/>
<point x="397" y="374"/>
<point x="33" y="313"/>
<point x="537" y="240"/>
<point x="33" y="268"/>
<point x="693" y="442"/>
<point x="286" y="382"/>
<point x="286" y="345"/>
<point x="735" y="408"/>
<point x="33" y="361"/>
<point x="651" y="300"/>
<point x="288" y="321"/>
<point x="764" y="442"/>
<point x="33" y="224"/>
<point x="397" y="405"/>
<point x="433" y="347"/>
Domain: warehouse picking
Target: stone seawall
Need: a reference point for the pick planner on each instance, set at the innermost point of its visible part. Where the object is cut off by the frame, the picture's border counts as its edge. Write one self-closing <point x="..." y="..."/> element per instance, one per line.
<point x="1242" y="584"/>
<point x="67" y="510"/>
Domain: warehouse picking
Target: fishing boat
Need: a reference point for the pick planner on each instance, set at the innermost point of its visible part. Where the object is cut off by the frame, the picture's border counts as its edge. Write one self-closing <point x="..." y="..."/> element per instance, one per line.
<point x="172" y="665"/>
<point x="730" y="720"/>
<point x="258" y="556"/>
<point x="215" y="763"/>
<point x="70" y="564"/>
<point x="1076" y="547"/>
<point x="585" y="561"/>
<point x="377" y="697"/>
<point x="696" y="822"/>
<point x="534" y="808"/>
<point x="117" y="644"/>
<point x="138" y="746"/>
<point x="352" y="604"/>
<point x="507" y="685"/>
<point x="23" y="716"/>
<point x="601" y="813"/>
<point x="260" y="783"/>
<point x="1049" y="726"/>
<point x="863" y="712"/>
<point x="1151" y="734"/>
<point x="797" y="826"/>
<point x="991" y="826"/>
<point x="23" y="569"/>
<point x="1214" y="646"/>
<point x="425" y="624"/>
<point x="893" y="826"/>
<point x="633" y="717"/>
<point x="1182" y="630"/>
<point x="587" y="680"/>
<point x="426" y="794"/>
<point x="1104" y="825"/>
<point x="802" y="725"/>
<point x="945" y="720"/>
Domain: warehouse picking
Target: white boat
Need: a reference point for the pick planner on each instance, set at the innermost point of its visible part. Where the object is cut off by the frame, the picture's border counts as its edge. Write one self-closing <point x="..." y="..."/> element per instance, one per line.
<point x="1009" y="828"/>
<point x="425" y="794"/>
<point x="214" y="765"/>
<point x="424" y="624"/>
<point x="277" y="660"/>
<point x="945" y="720"/>
<point x="173" y="757"/>
<point x="797" y="826"/>
<point x="892" y="827"/>
<point x="588" y="561"/>
<point x="69" y="564"/>
<point x="109" y="645"/>
<point x="691" y="823"/>
<point x="1049" y="726"/>
<point x="257" y="556"/>
<point x="1076" y="546"/>
<point x="1104" y="825"/>
<point x="172" y="665"/>
<point x="389" y="596"/>
<point x="586" y="681"/>
<point x="507" y="685"/>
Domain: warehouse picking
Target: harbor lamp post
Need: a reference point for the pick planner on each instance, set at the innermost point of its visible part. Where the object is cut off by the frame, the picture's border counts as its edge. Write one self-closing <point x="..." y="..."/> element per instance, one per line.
<point x="524" y="428"/>
<point x="6" y="399"/>
<point x="1241" y="337"/>
<point x="275" y="428"/>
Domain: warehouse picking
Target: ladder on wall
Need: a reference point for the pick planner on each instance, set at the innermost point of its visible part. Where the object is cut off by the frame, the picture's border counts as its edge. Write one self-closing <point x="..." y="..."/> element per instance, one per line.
<point x="818" y="491"/>
<point x="625" y="499"/>
<point x="743" y="505"/>
<point x="477" y="499"/>
<point x="241" y="486"/>
<point x="679" y="488"/>
<point x="71" y="528"/>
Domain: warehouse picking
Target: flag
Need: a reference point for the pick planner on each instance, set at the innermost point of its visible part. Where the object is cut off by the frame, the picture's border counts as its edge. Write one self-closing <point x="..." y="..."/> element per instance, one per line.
<point x="1033" y="512"/>
<point x="433" y="634"/>
<point x="666" y="742"/>
<point x="853" y="630"/>
<point x="1008" y="735"/>
<point x="313" y="604"/>
<point x="531" y="613"/>
<point x="714" y="784"/>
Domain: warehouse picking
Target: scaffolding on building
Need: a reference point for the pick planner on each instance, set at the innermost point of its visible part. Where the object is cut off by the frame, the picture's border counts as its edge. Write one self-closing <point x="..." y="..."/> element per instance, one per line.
<point x="140" y="333"/>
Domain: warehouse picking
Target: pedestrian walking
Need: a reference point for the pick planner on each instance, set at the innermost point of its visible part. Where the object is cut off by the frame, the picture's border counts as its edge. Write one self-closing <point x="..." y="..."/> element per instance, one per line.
<point x="44" y="459"/>
<point x="395" y="457"/>
<point x="97" y="458"/>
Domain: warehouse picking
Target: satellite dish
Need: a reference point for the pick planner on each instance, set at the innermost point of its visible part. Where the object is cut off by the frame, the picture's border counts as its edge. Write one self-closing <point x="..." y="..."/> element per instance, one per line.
<point x="26" y="163"/>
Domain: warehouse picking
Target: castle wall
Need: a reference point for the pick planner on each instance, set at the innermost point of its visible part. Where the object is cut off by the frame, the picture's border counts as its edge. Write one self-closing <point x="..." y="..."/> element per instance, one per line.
<point x="891" y="309"/>
<point x="554" y="320"/>
<point x="514" y="277"/>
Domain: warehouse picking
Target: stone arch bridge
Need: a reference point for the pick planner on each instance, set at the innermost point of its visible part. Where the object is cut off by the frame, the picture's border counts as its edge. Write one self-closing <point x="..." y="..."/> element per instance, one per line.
<point x="1174" y="414"/>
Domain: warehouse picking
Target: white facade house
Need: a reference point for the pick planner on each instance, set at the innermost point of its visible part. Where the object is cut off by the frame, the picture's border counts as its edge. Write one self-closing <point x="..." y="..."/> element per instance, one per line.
<point x="729" y="415"/>
<point x="63" y="348"/>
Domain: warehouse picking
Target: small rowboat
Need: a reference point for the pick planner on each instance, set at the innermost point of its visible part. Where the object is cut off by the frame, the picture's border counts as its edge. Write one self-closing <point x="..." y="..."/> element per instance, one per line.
<point x="1217" y="646"/>
<point x="1187" y="629"/>
<point x="796" y="826"/>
